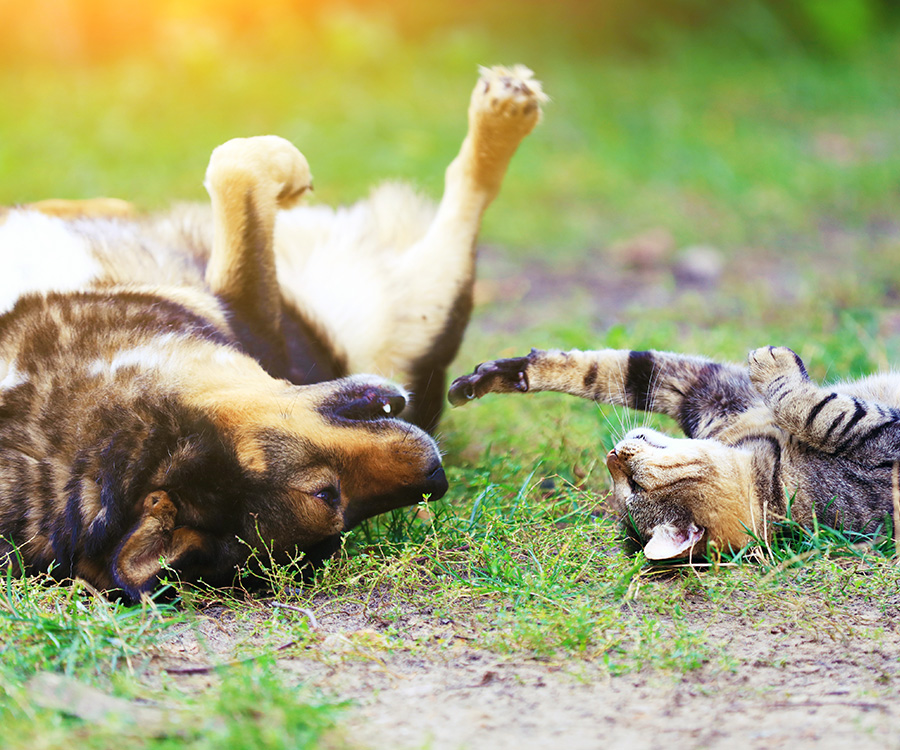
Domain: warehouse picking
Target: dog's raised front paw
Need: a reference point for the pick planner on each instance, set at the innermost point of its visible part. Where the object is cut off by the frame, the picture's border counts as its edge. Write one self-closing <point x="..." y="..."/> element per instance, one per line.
<point x="267" y="162"/>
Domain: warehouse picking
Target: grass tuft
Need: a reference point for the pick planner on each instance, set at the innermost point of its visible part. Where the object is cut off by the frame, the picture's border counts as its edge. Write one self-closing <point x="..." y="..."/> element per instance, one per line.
<point x="73" y="628"/>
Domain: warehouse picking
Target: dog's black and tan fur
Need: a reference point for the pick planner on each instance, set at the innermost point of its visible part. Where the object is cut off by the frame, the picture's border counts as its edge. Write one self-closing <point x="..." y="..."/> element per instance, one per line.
<point x="187" y="393"/>
<point x="757" y="436"/>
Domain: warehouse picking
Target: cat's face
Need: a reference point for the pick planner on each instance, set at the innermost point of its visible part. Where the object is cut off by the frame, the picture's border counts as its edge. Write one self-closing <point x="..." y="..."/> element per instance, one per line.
<point x="679" y="493"/>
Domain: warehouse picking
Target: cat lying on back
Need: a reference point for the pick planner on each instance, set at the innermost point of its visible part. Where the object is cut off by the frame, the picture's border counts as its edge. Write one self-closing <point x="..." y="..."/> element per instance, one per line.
<point x="758" y="439"/>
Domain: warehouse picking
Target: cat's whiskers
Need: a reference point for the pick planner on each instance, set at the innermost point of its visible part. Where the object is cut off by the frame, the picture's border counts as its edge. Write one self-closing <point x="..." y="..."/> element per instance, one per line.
<point x="623" y="415"/>
<point x="619" y="417"/>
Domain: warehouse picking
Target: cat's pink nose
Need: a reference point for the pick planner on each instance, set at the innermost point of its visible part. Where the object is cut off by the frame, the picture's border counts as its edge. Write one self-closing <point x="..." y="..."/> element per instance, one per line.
<point x="616" y="466"/>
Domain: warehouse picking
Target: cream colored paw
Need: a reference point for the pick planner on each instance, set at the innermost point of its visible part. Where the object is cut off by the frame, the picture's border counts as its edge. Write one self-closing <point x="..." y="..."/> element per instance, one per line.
<point x="775" y="367"/>
<point x="506" y="100"/>
<point x="265" y="162"/>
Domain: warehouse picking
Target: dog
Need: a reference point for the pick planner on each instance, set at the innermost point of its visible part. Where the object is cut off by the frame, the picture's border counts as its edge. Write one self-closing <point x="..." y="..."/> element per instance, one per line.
<point x="180" y="391"/>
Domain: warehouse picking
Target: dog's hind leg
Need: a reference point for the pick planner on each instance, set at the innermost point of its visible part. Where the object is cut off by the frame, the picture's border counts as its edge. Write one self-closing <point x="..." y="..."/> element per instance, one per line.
<point x="436" y="274"/>
<point x="248" y="180"/>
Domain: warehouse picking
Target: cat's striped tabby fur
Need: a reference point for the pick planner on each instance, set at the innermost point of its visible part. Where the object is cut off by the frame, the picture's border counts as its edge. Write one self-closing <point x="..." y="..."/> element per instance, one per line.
<point x="178" y="390"/>
<point x="759" y="437"/>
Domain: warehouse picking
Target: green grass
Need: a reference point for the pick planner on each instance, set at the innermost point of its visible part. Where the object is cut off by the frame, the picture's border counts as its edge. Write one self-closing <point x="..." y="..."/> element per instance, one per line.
<point x="249" y="706"/>
<point x="98" y="644"/>
<point x="74" y="630"/>
<point x="748" y="154"/>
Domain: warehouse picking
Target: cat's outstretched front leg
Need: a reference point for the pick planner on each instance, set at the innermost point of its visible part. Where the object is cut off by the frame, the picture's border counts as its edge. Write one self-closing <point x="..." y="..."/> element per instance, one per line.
<point x="824" y="418"/>
<point x="597" y="375"/>
<point x="703" y="396"/>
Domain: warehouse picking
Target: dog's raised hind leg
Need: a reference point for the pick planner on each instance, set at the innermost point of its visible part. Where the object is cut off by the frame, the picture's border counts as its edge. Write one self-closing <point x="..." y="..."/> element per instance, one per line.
<point x="439" y="270"/>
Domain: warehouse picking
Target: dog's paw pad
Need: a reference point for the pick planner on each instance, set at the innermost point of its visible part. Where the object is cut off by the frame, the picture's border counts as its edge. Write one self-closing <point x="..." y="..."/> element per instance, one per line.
<point x="267" y="161"/>
<point x="512" y="95"/>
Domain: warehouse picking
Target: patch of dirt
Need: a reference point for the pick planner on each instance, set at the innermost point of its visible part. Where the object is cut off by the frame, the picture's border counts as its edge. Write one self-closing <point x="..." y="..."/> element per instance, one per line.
<point x="784" y="682"/>
<point x="513" y="296"/>
<point x="649" y="272"/>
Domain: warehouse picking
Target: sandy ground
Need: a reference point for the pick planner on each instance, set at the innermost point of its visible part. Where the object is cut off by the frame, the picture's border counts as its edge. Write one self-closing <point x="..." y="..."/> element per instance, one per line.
<point x="787" y="680"/>
<point x="788" y="691"/>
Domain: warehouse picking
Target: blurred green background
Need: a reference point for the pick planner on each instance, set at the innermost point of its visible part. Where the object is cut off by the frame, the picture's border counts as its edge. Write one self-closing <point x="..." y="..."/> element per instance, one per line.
<point x="729" y="121"/>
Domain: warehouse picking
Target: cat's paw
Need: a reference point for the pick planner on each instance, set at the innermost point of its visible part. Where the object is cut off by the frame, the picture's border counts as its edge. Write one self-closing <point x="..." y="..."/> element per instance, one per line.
<point x="774" y="369"/>
<point x="262" y="163"/>
<point x="496" y="376"/>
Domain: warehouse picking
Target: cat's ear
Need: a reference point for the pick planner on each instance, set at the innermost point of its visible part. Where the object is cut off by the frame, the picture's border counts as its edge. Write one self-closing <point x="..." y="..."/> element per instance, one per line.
<point x="667" y="540"/>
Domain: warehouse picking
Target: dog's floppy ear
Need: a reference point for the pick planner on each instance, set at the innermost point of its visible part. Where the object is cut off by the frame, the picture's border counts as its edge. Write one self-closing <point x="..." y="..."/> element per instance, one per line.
<point x="367" y="399"/>
<point x="154" y="543"/>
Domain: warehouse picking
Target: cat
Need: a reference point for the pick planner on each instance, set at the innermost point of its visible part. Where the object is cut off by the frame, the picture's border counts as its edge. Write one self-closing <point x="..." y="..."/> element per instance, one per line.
<point x="763" y="442"/>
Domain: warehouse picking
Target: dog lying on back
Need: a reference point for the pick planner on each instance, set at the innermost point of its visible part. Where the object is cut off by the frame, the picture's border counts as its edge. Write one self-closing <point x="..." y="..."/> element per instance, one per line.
<point x="759" y="438"/>
<point x="178" y="390"/>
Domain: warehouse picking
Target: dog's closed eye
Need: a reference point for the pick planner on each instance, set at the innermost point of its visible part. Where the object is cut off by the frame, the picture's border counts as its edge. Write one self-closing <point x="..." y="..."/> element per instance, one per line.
<point x="329" y="494"/>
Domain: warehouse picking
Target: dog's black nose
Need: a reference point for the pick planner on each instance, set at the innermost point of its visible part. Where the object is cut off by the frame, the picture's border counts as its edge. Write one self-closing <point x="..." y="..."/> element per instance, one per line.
<point x="436" y="484"/>
<point x="362" y="399"/>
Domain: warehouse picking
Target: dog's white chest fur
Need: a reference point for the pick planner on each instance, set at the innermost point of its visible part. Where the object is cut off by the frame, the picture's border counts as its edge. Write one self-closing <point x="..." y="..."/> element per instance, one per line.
<point x="40" y="253"/>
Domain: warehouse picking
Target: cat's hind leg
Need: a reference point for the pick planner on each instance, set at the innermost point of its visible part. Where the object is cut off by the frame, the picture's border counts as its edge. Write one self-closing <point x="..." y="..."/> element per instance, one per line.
<point x="824" y="418"/>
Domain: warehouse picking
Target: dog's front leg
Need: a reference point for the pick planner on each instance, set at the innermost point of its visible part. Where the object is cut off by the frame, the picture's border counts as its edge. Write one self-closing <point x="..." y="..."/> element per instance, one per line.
<point x="248" y="180"/>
